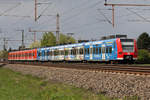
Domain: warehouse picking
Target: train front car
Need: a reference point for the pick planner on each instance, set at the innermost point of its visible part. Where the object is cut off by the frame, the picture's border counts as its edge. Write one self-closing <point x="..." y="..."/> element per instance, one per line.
<point x="127" y="50"/>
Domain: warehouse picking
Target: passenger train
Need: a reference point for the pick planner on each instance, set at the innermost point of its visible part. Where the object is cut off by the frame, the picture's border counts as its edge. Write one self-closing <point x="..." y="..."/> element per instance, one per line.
<point x="110" y="50"/>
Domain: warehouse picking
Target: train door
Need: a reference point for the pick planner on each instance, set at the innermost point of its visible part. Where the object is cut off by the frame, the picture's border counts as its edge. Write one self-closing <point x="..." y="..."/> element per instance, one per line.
<point x="114" y="51"/>
<point x="87" y="55"/>
<point x="39" y="54"/>
<point x="103" y="52"/>
<point x="43" y="54"/>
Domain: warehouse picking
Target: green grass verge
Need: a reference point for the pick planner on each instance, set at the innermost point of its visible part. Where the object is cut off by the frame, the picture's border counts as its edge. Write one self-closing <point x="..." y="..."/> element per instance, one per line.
<point x="14" y="86"/>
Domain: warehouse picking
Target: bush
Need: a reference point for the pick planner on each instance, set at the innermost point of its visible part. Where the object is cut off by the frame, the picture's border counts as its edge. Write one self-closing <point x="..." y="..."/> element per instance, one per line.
<point x="143" y="57"/>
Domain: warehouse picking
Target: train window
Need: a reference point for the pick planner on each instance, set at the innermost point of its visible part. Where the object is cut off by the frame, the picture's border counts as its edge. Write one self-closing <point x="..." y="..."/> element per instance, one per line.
<point x="39" y="54"/>
<point x="99" y="49"/>
<point x="107" y="51"/>
<point x="71" y="52"/>
<point x="50" y="53"/>
<point x="66" y="52"/>
<point x="96" y="50"/>
<point x="57" y="52"/>
<point x="47" y="53"/>
<point x="75" y="51"/>
<point x="81" y="50"/>
<point x="110" y="49"/>
<point x="29" y="54"/>
<point x="114" y="45"/>
<point x="91" y="50"/>
<point x="54" y="52"/>
<point x="103" y="49"/>
<point x="61" y="52"/>
<point x="87" y="51"/>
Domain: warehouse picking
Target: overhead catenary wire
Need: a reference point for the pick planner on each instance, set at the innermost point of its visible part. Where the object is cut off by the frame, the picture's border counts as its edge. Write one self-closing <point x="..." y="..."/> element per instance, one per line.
<point x="73" y="8"/>
<point x="10" y="9"/>
<point x="104" y="16"/>
<point x="81" y="12"/>
<point x="42" y="12"/>
<point x="142" y="17"/>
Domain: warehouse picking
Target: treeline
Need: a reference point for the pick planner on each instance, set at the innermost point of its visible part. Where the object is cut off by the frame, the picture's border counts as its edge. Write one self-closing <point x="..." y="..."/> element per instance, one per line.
<point x="143" y="43"/>
<point x="49" y="39"/>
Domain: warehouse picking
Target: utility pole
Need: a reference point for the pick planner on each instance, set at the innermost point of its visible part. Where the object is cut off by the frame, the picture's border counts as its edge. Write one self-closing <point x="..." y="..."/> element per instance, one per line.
<point x="22" y="38"/>
<point x="57" y="29"/>
<point x="34" y="36"/>
<point x="122" y="5"/>
<point x="35" y="18"/>
<point x="23" y="46"/>
<point x="35" y="10"/>
<point x="4" y="46"/>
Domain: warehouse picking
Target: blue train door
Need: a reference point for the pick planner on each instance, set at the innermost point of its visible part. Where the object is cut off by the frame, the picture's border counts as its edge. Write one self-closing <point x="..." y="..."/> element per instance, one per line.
<point x="87" y="52"/>
<point x="43" y="54"/>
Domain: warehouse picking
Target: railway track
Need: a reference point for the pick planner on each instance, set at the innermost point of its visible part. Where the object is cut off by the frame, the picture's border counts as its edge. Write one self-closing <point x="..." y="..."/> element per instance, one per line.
<point x="127" y="69"/>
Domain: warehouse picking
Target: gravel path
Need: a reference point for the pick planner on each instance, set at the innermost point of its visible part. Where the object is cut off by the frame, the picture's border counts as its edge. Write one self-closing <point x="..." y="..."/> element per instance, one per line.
<point x="110" y="84"/>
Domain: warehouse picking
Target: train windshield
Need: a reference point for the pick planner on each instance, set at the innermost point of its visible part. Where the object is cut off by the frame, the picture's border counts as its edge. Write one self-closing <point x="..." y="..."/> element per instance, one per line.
<point x="127" y="45"/>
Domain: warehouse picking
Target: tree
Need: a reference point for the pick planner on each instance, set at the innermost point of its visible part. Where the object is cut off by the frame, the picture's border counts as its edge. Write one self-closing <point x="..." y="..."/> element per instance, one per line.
<point x="4" y="54"/>
<point x="48" y="39"/>
<point x="143" y="41"/>
<point x="66" y="39"/>
<point x="35" y="44"/>
<point x="143" y="56"/>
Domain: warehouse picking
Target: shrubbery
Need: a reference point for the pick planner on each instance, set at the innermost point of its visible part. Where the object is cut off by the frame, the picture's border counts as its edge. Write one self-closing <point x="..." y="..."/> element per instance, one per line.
<point x="143" y="57"/>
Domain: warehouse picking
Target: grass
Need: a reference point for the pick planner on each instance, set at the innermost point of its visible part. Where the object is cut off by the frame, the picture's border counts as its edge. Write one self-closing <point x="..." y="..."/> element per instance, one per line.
<point x="14" y="86"/>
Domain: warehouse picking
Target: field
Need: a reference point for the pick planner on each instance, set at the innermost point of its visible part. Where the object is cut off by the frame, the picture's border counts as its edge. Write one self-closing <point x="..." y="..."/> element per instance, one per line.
<point x="14" y="86"/>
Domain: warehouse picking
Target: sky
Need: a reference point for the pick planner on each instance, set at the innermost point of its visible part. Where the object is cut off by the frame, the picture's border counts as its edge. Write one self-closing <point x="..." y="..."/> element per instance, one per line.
<point x="87" y="19"/>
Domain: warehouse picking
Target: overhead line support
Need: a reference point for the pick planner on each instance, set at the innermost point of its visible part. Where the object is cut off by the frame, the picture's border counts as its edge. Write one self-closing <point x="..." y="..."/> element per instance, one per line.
<point x="57" y="29"/>
<point x="113" y="8"/>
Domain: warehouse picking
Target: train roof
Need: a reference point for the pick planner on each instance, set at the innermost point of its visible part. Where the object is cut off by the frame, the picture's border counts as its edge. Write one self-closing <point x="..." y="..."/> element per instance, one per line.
<point x="73" y="45"/>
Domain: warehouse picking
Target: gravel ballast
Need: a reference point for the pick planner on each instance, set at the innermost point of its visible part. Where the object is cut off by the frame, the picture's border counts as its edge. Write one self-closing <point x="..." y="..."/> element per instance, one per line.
<point x="110" y="84"/>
